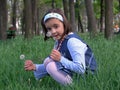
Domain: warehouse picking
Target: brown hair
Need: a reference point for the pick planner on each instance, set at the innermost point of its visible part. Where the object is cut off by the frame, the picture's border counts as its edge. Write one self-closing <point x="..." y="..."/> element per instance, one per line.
<point x="67" y="26"/>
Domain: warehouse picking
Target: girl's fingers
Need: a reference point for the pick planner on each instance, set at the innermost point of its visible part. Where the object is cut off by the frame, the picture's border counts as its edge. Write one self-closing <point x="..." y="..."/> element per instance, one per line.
<point x="30" y="68"/>
<point x="29" y="65"/>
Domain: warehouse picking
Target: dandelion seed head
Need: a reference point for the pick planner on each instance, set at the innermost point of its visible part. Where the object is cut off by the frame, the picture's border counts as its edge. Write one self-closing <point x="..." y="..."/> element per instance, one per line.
<point x="48" y="34"/>
<point x="22" y="56"/>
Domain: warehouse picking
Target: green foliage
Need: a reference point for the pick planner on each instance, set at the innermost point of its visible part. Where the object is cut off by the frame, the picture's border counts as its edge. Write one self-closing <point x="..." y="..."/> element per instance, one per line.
<point x="96" y="5"/>
<point x="14" y="77"/>
<point x="116" y="7"/>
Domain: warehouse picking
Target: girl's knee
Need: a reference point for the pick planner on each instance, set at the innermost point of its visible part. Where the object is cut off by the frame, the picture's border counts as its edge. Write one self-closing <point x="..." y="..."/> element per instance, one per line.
<point x="51" y="67"/>
<point x="46" y="61"/>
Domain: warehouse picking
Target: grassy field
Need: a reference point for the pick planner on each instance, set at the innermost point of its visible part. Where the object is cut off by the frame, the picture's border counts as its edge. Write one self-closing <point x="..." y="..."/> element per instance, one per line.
<point x="13" y="76"/>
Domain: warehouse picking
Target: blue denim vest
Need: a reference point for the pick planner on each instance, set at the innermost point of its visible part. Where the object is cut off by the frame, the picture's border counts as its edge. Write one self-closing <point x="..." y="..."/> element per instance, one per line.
<point x="89" y="56"/>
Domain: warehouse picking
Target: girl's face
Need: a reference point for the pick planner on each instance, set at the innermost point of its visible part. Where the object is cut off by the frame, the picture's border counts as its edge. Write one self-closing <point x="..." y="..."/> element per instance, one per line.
<point x="55" y="27"/>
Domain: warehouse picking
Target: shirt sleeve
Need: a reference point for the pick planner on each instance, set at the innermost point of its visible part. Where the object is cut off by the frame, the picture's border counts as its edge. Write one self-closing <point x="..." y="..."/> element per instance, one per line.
<point x="40" y="71"/>
<point x="77" y="50"/>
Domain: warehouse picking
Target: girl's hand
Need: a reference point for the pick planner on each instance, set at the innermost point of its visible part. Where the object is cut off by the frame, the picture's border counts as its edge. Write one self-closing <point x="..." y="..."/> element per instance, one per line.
<point x="55" y="55"/>
<point x="29" y="66"/>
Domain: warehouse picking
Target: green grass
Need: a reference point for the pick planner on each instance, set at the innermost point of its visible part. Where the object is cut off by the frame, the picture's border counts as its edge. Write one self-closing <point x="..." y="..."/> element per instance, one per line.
<point x="14" y="77"/>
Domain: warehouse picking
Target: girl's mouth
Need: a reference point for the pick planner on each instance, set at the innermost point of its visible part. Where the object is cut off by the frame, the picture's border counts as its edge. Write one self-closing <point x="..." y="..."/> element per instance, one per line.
<point x="56" y="37"/>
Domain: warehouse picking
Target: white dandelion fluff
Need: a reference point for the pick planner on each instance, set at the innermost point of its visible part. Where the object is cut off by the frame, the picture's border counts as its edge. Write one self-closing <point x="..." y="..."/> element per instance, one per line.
<point x="48" y="34"/>
<point x="22" y="56"/>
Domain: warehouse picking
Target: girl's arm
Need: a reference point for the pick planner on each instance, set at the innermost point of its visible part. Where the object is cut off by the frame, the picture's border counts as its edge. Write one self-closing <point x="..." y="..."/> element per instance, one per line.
<point x="77" y="50"/>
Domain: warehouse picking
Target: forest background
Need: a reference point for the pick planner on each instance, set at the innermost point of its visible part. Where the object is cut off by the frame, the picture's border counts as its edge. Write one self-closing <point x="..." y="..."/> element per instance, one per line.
<point x="91" y="16"/>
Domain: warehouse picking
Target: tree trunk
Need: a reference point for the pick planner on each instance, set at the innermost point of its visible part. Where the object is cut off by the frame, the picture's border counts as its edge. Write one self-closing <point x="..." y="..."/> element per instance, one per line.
<point x="34" y="16"/>
<point x="119" y="11"/>
<point x="108" y="19"/>
<point x="119" y="5"/>
<point x="80" y="26"/>
<point x="28" y="19"/>
<point x="72" y="14"/>
<point x="53" y="3"/>
<point x="92" y="28"/>
<point x="14" y="7"/>
<point x="66" y="9"/>
<point x="102" y="16"/>
<point x="3" y="19"/>
<point x="38" y="21"/>
<point x="23" y="21"/>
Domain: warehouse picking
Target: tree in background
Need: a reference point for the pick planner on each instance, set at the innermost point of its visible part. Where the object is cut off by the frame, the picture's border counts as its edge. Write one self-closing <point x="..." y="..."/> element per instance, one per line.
<point x="66" y="8"/>
<point x="77" y="7"/>
<point x="108" y="19"/>
<point x="35" y="17"/>
<point x="14" y="14"/>
<point x="53" y="4"/>
<point x="39" y="7"/>
<point x="3" y="19"/>
<point x="102" y="13"/>
<point x="28" y="19"/>
<point x="92" y="28"/>
<point x="119" y="11"/>
<point x="72" y="14"/>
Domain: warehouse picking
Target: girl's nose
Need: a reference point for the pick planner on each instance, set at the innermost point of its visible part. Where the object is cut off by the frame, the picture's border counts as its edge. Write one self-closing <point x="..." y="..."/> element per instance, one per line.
<point x="53" y="31"/>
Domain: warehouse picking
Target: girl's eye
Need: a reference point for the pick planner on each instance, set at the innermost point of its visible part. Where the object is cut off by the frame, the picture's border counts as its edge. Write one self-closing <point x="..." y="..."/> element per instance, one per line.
<point x="56" y="26"/>
<point x="48" y="29"/>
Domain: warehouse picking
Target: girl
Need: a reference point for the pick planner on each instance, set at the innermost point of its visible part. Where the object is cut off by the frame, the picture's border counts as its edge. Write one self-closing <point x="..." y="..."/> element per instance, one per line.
<point x="70" y="54"/>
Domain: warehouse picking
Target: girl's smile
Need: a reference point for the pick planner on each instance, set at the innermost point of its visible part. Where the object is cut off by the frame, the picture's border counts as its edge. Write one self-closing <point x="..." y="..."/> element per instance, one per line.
<point x="55" y="27"/>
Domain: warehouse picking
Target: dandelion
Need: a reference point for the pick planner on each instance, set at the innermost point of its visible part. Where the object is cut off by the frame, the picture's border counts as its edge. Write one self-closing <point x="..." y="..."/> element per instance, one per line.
<point x="48" y="34"/>
<point x="22" y="57"/>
